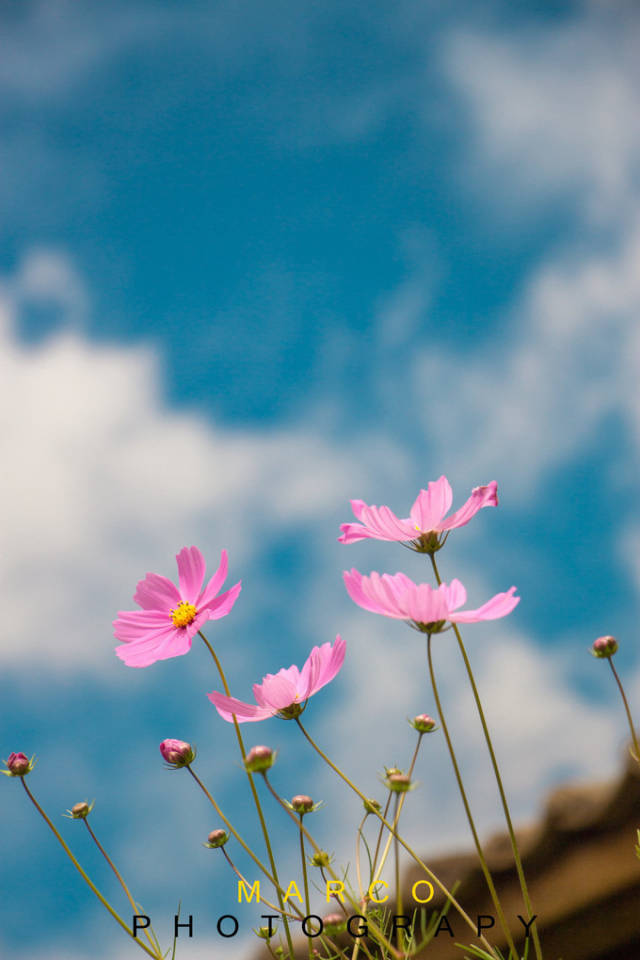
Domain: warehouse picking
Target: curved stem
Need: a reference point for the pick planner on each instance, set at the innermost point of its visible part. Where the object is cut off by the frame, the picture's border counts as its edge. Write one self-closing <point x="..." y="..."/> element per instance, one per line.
<point x="436" y="881"/>
<point x="104" y="853"/>
<point x="467" y="808"/>
<point x="636" y="748"/>
<point x="503" y="797"/>
<point x="254" y="792"/>
<point x="105" y="903"/>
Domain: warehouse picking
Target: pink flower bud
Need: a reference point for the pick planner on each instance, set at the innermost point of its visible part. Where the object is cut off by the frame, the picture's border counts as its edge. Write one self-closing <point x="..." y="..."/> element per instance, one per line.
<point x="423" y="723"/>
<point x="398" y="782"/>
<point x="604" y="647"/>
<point x="177" y="753"/>
<point x="259" y="759"/>
<point x="302" y="803"/>
<point x="18" y="765"/>
<point x="334" y="923"/>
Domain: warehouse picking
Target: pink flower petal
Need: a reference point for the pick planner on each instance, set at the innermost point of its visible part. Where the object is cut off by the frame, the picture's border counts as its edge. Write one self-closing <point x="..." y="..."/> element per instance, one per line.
<point x="331" y="658"/>
<point x="498" y="606"/>
<point x="480" y="497"/>
<point x="431" y="505"/>
<point x="191" y="570"/>
<point x="132" y="624"/>
<point x="215" y="582"/>
<point x="156" y="593"/>
<point x="244" y="712"/>
<point x="159" y="646"/>
<point x="221" y="606"/>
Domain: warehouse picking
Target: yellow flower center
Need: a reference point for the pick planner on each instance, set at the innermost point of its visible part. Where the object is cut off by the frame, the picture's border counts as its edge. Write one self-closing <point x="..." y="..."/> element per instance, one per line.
<point x="183" y="614"/>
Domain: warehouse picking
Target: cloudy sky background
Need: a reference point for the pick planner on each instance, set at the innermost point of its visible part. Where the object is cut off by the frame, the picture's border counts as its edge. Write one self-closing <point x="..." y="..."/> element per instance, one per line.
<point x="256" y="260"/>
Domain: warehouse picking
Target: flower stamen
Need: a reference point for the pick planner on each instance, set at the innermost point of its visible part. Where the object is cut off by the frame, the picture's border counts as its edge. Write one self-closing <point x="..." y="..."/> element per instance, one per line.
<point x="183" y="614"/>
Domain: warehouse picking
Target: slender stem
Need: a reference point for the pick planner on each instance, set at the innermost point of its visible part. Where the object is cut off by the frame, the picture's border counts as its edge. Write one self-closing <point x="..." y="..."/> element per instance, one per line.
<point x="104" y="853"/>
<point x="494" y="763"/>
<point x="86" y="878"/>
<point x="467" y="808"/>
<point x="305" y="880"/>
<point x="374" y="929"/>
<point x="399" y="807"/>
<point x="396" y="850"/>
<point x="254" y="792"/>
<point x="435" y="880"/>
<point x="636" y="748"/>
<point x="379" y="840"/>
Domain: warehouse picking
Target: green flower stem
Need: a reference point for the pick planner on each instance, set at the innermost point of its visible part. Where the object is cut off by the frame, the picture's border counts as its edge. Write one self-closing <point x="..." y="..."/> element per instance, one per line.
<point x="467" y="808"/>
<point x="248" y="850"/>
<point x="437" y="882"/>
<point x="396" y="850"/>
<point x="374" y="875"/>
<point x="399" y="807"/>
<point x="305" y="880"/>
<point x="157" y="955"/>
<point x="636" y="748"/>
<point x="376" y="932"/>
<point x="503" y="797"/>
<point x="358" y="942"/>
<point x="254" y="792"/>
<point x="152" y="940"/>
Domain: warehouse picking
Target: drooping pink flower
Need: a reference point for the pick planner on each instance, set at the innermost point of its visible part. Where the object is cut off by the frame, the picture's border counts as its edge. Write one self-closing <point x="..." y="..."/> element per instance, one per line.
<point x="426" y="520"/>
<point x="285" y="693"/>
<point x="425" y="607"/>
<point x="170" y="615"/>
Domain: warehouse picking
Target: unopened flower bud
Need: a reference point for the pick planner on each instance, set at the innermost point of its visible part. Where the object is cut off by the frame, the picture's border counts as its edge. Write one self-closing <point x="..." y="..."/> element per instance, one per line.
<point x="80" y="811"/>
<point x="371" y="806"/>
<point x="334" y="923"/>
<point x="604" y="647"/>
<point x="265" y="933"/>
<point x="301" y="803"/>
<point x="259" y="759"/>
<point x="391" y="771"/>
<point x="423" y="723"/>
<point x="217" y="838"/>
<point x="398" y="782"/>
<point x="320" y="859"/>
<point x="18" y="765"/>
<point x="177" y="753"/>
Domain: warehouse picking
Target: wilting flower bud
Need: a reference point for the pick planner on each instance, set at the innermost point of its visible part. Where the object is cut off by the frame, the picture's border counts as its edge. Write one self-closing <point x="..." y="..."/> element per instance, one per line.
<point x="302" y="803"/>
<point x="18" y="765"/>
<point x="334" y="923"/>
<point x="604" y="647"/>
<point x="259" y="759"/>
<point x="80" y="811"/>
<point x="177" y="753"/>
<point x="423" y="723"/>
<point x="398" y="782"/>
<point x="217" y="838"/>
<point x="320" y="859"/>
<point x="371" y="806"/>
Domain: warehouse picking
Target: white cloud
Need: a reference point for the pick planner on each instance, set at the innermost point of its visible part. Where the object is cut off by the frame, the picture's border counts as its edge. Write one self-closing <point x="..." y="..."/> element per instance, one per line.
<point x="553" y="109"/>
<point x="532" y="400"/>
<point x="103" y="482"/>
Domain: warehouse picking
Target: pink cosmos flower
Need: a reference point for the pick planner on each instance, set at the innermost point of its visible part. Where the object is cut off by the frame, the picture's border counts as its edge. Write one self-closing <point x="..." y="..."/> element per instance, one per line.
<point x="170" y="615"/>
<point x="425" y="522"/>
<point x="285" y="693"/>
<point x="420" y="604"/>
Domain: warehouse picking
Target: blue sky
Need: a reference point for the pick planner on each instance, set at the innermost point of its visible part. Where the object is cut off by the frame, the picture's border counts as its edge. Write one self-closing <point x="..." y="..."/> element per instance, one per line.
<point x="256" y="260"/>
